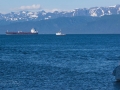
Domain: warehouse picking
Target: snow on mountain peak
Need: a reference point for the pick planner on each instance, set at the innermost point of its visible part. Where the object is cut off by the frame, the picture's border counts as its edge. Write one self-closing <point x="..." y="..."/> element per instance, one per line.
<point x="23" y="12"/>
<point x="33" y="16"/>
<point x="113" y="6"/>
<point x="93" y="12"/>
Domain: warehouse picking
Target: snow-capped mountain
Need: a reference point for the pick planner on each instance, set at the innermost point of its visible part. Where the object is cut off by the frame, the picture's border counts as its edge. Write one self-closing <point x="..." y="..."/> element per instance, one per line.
<point x="42" y="15"/>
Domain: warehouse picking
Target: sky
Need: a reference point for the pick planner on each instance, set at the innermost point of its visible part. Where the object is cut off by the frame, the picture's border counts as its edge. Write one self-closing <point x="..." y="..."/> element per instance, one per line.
<point x="7" y="6"/>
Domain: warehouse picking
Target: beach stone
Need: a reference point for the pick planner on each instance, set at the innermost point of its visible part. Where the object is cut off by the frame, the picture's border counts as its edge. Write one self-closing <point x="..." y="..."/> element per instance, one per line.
<point x="116" y="73"/>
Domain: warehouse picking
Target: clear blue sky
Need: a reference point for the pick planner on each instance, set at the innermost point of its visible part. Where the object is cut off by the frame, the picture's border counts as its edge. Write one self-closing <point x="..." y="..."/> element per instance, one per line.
<point x="15" y="5"/>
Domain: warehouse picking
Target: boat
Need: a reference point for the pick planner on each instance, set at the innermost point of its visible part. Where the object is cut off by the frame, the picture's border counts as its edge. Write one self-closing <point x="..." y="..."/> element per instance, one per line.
<point x="59" y="33"/>
<point x="32" y="32"/>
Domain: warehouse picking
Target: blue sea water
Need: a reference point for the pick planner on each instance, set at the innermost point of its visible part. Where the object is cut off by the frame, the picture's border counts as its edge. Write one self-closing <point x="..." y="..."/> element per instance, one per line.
<point x="50" y="62"/>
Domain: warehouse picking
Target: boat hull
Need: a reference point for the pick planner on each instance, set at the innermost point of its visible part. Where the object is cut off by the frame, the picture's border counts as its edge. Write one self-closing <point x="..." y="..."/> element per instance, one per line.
<point x="20" y="33"/>
<point x="59" y="33"/>
<point x="33" y="32"/>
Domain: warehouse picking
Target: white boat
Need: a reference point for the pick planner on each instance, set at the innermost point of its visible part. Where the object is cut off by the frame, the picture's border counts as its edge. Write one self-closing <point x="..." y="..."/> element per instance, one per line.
<point x="59" y="33"/>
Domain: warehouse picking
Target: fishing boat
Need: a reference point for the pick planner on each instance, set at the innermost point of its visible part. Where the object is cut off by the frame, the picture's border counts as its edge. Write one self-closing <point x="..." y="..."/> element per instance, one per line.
<point x="59" y="33"/>
<point x="32" y="32"/>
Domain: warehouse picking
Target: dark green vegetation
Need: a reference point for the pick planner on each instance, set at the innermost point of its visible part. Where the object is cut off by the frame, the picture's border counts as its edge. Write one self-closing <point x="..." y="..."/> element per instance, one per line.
<point x="70" y="25"/>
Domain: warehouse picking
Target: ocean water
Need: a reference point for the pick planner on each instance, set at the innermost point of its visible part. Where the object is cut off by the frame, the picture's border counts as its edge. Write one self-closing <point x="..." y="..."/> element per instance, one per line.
<point x="50" y="62"/>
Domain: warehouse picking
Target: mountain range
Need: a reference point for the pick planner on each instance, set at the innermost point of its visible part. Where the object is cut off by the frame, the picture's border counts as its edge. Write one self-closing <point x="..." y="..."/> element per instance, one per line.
<point x="42" y="15"/>
<point x="95" y="20"/>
